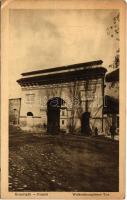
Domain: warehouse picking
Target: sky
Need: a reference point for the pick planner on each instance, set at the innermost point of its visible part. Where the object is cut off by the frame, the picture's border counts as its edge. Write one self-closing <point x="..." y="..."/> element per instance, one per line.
<point x="40" y="39"/>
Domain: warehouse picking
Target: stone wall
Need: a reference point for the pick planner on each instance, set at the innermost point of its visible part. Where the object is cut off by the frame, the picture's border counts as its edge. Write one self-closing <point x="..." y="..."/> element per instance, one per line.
<point x="79" y="97"/>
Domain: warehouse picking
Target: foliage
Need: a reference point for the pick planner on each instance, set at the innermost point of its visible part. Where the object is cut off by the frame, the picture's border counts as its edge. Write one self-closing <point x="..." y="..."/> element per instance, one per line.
<point x="113" y="31"/>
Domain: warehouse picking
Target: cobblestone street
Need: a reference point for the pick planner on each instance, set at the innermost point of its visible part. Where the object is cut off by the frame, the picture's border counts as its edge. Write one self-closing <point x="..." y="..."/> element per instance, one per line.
<point x="62" y="163"/>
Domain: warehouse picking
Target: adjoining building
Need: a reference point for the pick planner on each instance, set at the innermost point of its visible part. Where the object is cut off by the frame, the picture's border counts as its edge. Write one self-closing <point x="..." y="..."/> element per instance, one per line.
<point x="14" y="111"/>
<point x="111" y="108"/>
<point x="63" y="99"/>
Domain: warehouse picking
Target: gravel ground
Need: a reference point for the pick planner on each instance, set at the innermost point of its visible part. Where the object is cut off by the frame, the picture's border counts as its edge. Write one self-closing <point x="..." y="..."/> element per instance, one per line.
<point x="61" y="163"/>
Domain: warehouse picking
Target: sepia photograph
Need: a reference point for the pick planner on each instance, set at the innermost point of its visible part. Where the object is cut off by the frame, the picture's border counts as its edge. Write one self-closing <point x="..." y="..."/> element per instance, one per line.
<point x="63" y="77"/>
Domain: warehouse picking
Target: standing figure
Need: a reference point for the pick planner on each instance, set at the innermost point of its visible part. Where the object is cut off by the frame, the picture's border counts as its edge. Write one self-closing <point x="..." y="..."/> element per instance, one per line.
<point x="112" y="131"/>
<point x="96" y="131"/>
<point x="45" y="126"/>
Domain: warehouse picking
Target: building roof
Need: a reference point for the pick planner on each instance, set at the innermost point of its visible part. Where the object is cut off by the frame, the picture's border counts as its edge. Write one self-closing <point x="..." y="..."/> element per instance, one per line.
<point x="13" y="99"/>
<point x="112" y="76"/>
<point x="81" y="71"/>
<point x="64" y="68"/>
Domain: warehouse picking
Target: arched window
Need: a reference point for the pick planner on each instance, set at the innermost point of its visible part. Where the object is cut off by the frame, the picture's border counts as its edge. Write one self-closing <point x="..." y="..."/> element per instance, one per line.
<point x="30" y="114"/>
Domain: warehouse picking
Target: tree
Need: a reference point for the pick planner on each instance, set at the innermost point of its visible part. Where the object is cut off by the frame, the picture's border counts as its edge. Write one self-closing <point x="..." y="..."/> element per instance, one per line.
<point x="113" y="31"/>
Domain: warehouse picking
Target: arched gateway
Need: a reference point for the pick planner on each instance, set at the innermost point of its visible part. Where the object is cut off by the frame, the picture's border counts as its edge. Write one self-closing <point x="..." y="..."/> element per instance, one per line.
<point x="79" y="86"/>
<point x="54" y="106"/>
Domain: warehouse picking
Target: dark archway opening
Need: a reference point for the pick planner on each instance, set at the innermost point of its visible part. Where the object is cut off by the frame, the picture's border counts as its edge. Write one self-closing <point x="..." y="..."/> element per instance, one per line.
<point x="30" y="114"/>
<point x="85" y="124"/>
<point x="53" y="115"/>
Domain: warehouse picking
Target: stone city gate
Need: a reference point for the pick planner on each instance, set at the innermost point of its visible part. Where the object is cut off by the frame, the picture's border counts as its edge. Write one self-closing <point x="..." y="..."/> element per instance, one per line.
<point x="68" y="98"/>
<point x="54" y="107"/>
